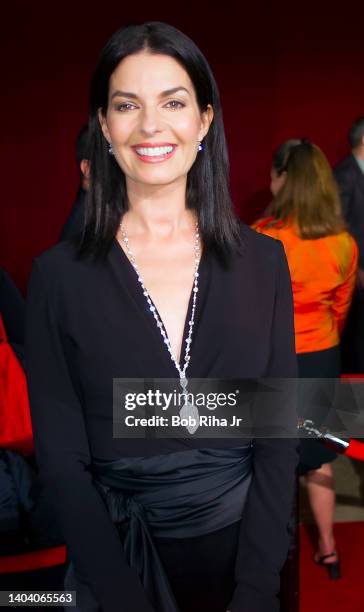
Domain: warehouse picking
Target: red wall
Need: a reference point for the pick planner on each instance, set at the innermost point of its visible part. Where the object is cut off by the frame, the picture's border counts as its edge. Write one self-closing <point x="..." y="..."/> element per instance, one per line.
<point x="281" y="73"/>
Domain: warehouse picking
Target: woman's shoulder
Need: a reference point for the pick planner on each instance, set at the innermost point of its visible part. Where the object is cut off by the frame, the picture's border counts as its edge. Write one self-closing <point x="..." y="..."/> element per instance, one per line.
<point x="345" y="247"/>
<point x="61" y="267"/>
<point x="64" y="257"/>
<point x="259" y="245"/>
<point x="345" y="238"/>
<point x="263" y="262"/>
<point x="58" y="254"/>
<point x="343" y="241"/>
<point x="258" y="234"/>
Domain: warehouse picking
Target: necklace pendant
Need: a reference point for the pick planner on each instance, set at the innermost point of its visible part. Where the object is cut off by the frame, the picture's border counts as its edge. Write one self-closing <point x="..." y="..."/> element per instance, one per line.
<point x="183" y="382"/>
<point x="190" y="413"/>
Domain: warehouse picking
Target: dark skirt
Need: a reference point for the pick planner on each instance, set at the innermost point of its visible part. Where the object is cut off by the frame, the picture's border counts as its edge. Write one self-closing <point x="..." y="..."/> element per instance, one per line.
<point x="200" y="571"/>
<point x="325" y="365"/>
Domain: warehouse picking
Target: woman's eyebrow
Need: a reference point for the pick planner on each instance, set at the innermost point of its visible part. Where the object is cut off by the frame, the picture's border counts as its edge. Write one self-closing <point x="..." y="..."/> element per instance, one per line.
<point x="170" y="92"/>
<point x="128" y="94"/>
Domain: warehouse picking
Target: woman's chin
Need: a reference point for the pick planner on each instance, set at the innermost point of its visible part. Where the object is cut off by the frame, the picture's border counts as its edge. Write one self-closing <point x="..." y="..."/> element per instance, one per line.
<point x="158" y="178"/>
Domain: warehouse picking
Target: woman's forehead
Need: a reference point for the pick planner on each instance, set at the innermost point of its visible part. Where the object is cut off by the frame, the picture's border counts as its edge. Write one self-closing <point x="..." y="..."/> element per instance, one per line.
<point x="153" y="74"/>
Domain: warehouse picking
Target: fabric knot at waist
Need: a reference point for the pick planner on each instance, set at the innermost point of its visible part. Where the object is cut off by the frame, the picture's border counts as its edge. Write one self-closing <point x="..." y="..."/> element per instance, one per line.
<point x="132" y="506"/>
<point x="176" y="495"/>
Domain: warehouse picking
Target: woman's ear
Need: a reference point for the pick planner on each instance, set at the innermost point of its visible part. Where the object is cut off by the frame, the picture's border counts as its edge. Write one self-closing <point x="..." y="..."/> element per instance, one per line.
<point x="103" y="124"/>
<point x="206" y="120"/>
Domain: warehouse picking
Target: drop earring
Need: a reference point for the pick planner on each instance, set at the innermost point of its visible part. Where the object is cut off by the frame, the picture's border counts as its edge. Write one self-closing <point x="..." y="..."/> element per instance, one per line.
<point x="200" y="146"/>
<point x="110" y="149"/>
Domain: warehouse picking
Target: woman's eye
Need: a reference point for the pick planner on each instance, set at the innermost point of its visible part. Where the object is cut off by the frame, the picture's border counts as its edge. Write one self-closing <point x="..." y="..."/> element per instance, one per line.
<point x="125" y="106"/>
<point x="175" y="104"/>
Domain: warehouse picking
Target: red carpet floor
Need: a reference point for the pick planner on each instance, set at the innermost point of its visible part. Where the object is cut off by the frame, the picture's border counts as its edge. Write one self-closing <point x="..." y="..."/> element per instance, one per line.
<point x="320" y="594"/>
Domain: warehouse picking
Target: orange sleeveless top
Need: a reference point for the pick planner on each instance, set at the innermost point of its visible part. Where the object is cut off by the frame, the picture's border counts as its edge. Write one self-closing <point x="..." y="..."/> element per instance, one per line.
<point x="323" y="272"/>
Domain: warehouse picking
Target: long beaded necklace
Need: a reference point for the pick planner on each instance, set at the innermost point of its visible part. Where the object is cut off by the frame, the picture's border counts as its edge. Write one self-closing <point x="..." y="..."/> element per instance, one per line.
<point x="188" y="410"/>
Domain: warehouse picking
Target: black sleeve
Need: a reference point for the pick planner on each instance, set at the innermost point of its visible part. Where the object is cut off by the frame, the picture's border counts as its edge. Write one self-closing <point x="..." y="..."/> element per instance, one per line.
<point x="63" y="457"/>
<point x="263" y="538"/>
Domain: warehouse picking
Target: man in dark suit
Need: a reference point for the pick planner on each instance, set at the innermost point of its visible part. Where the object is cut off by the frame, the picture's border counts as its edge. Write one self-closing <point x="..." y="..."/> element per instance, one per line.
<point x="349" y="174"/>
<point x="74" y="223"/>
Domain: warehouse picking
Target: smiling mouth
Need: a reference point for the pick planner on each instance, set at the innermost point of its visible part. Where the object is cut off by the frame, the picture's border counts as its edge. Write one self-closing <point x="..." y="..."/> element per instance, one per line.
<point x="155" y="154"/>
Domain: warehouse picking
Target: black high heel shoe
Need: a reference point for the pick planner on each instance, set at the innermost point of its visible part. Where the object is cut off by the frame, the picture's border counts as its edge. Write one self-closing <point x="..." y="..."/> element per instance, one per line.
<point x="333" y="568"/>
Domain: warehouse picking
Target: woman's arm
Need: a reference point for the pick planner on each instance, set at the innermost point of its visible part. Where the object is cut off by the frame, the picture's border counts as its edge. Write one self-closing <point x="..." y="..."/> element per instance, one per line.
<point x="62" y="452"/>
<point x="263" y="539"/>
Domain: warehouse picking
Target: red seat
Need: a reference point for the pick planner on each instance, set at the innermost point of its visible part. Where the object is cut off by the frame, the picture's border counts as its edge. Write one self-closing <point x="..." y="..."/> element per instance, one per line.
<point x="31" y="561"/>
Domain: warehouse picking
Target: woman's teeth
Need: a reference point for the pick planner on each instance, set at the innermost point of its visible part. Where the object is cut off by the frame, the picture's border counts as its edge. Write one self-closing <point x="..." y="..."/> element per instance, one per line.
<point x="154" y="152"/>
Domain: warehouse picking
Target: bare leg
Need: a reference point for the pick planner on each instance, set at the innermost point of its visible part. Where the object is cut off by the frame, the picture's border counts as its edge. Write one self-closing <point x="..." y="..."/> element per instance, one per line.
<point x="321" y="493"/>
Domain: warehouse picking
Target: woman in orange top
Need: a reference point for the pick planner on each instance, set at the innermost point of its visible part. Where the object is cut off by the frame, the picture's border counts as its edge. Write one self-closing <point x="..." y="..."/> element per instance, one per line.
<point x="306" y="216"/>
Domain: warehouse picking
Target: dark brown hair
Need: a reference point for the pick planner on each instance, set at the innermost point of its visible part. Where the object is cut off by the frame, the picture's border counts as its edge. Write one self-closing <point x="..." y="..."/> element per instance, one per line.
<point x="309" y="195"/>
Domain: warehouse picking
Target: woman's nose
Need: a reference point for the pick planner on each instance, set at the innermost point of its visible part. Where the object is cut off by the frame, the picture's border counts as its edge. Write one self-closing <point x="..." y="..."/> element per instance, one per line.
<point x="150" y="121"/>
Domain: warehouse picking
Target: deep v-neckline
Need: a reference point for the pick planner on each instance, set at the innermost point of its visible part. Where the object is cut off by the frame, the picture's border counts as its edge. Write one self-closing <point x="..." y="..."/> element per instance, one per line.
<point x="138" y="294"/>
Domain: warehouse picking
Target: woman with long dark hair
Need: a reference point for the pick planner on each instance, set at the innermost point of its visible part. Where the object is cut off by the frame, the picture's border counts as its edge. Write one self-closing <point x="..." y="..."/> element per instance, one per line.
<point x="164" y="282"/>
<point x="306" y="216"/>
